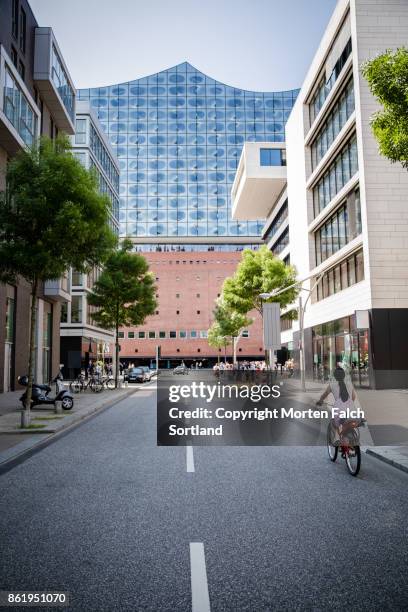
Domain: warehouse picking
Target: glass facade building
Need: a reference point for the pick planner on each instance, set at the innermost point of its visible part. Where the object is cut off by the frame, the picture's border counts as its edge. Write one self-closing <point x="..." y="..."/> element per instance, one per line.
<point x="178" y="135"/>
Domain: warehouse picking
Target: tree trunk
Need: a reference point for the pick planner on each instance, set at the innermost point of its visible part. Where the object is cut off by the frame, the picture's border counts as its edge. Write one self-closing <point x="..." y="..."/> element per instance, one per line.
<point x="117" y="347"/>
<point x="116" y="356"/>
<point x="31" y="355"/>
<point x="225" y="353"/>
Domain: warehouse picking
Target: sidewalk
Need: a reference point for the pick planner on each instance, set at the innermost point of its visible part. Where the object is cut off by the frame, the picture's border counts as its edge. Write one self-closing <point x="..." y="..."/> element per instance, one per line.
<point x="386" y="433"/>
<point x="15" y="442"/>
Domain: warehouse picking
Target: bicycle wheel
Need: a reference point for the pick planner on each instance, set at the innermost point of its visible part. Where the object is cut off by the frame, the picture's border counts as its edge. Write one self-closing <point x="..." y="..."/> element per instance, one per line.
<point x="76" y="386"/>
<point x="96" y="386"/>
<point x="353" y="460"/>
<point x="332" y="450"/>
<point x="110" y="383"/>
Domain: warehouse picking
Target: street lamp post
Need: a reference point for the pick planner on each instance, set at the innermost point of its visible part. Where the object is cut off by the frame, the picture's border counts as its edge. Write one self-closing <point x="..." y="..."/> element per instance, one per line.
<point x="302" y="308"/>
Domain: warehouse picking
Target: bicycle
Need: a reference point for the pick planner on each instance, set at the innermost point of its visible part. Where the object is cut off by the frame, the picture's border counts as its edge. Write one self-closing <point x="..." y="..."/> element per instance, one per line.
<point x="108" y="382"/>
<point x="349" y="444"/>
<point x="81" y="384"/>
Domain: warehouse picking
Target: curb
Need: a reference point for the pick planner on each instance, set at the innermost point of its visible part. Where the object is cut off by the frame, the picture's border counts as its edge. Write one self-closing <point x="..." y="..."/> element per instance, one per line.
<point x="68" y="423"/>
<point x="27" y="448"/>
<point x="393" y="459"/>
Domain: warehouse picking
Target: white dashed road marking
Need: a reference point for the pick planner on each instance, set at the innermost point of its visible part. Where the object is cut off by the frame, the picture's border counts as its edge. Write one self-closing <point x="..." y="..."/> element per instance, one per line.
<point x="190" y="459"/>
<point x="200" y="599"/>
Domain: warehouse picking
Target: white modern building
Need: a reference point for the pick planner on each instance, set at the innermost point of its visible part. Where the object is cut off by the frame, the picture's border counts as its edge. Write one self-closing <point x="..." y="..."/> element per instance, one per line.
<point x="345" y="208"/>
<point x="81" y="339"/>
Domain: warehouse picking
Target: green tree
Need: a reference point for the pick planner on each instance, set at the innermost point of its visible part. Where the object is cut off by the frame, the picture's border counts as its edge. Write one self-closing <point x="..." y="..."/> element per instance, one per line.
<point x="227" y="325"/>
<point x="52" y="217"/>
<point x="124" y="294"/>
<point x="215" y="337"/>
<point x="387" y="76"/>
<point x="259" y="272"/>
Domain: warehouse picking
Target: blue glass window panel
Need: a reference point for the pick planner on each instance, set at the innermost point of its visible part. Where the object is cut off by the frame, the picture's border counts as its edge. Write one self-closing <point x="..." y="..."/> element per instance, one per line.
<point x="270" y="157"/>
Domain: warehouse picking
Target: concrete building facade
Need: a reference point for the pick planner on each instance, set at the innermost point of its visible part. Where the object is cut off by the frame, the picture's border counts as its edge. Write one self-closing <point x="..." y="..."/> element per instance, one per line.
<point x="37" y="97"/>
<point x="347" y="207"/>
<point x="82" y="340"/>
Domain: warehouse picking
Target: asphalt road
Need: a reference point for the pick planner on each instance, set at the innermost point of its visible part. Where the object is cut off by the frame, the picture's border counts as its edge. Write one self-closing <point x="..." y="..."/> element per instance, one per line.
<point x="107" y="516"/>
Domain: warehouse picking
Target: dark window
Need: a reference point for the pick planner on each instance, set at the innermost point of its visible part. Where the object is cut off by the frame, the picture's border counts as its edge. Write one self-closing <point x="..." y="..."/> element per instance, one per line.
<point x="14" y="57"/>
<point x="277" y="222"/>
<point x="347" y="273"/>
<point x="131" y="335"/>
<point x="198" y="311"/>
<point x="152" y="334"/>
<point x="121" y="334"/>
<point x="162" y="334"/>
<point x="177" y="312"/>
<point x="173" y="334"/>
<point x="23" y="28"/>
<point x="359" y="266"/>
<point x="21" y="69"/>
<point x="142" y="334"/>
<point x="14" y="19"/>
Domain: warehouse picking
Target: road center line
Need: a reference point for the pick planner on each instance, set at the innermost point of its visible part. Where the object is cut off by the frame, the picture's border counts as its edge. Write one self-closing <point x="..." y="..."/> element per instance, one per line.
<point x="190" y="459"/>
<point x="200" y="599"/>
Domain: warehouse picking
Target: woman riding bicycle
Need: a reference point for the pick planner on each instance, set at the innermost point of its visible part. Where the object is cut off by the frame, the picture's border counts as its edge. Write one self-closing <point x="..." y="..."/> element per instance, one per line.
<point x="344" y="397"/>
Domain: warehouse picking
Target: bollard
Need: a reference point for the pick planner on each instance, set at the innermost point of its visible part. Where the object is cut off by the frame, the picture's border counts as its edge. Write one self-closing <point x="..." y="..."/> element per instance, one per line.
<point x="58" y="407"/>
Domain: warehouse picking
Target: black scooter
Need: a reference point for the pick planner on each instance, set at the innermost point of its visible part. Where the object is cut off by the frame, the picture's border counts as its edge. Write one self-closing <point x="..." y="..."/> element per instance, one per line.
<point x="40" y="393"/>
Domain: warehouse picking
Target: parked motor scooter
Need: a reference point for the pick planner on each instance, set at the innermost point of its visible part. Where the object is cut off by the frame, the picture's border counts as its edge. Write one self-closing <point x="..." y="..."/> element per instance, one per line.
<point x="40" y="393"/>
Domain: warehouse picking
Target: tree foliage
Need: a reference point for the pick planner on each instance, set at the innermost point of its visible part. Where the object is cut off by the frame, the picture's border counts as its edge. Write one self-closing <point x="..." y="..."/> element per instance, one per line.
<point x="124" y="293"/>
<point x="387" y="76"/>
<point x="258" y="272"/>
<point x="226" y="326"/>
<point x="52" y="217"/>
<point x="229" y="321"/>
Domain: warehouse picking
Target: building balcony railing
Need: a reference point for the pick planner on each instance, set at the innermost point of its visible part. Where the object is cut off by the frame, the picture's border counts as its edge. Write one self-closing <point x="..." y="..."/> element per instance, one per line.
<point x="53" y="81"/>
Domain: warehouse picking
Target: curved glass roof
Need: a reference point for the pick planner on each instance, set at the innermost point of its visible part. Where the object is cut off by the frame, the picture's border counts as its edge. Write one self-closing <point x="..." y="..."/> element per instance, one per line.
<point x="178" y="135"/>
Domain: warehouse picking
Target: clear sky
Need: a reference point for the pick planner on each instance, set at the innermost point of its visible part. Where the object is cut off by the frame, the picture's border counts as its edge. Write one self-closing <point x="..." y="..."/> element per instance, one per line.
<point x="264" y="45"/>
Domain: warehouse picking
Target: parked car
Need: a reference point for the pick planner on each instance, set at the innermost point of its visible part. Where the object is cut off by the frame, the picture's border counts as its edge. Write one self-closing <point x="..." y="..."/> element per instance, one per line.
<point x="180" y="369"/>
<point x="136" y="375"/>
<point x="149" y="373"/>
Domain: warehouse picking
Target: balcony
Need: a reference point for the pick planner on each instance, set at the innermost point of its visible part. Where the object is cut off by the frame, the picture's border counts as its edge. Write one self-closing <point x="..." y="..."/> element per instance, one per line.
<point x="260" y="179"/>
<point x="53" y="81"/>
<point x="58" y="290"/>
<point x="19" y="115"/>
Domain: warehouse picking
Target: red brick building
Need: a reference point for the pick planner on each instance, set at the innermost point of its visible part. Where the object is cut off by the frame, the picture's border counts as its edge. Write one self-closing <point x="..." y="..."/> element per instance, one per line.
<point x="187" y="285"/>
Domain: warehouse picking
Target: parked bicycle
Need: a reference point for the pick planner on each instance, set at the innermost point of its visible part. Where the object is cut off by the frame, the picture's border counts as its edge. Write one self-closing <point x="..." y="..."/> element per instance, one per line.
<point x="108" y="382"/>
<point x="81" y="383"/>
